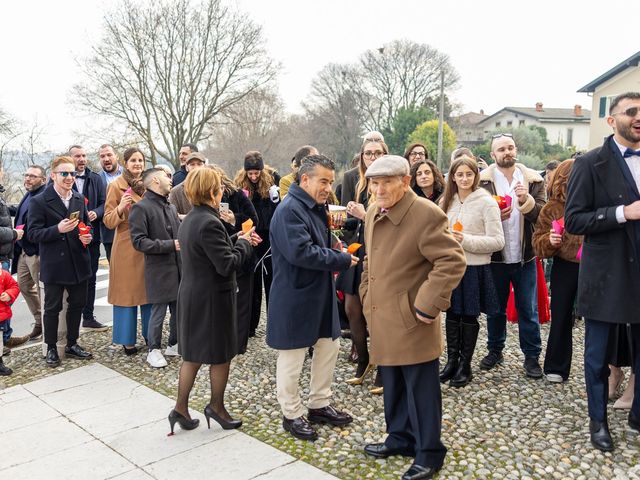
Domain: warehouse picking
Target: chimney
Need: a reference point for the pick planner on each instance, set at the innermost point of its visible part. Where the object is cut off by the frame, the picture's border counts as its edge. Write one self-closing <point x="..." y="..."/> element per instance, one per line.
<point x="577" y="110"/>
<point x="481" y="112"/>
<point x="539" y="107"/>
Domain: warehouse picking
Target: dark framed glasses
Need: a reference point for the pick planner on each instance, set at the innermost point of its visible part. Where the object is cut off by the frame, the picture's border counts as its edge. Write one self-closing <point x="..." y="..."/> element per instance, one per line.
<point x="66" y="174"/>
<point x="629" y="112"/>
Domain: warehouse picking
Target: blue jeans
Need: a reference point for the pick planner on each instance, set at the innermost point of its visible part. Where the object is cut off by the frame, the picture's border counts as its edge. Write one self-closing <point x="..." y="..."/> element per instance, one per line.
<point x="5" y="328"/>
<point x="523" y="278"/>
<point x="6" y="265"/>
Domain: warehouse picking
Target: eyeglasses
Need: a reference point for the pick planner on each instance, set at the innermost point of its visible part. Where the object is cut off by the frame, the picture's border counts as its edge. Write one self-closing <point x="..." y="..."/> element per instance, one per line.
<point x="498" y="135"/>
<point x="629" y="112"/>
<point x="417" y="154"/>
<point x="66" y="174"/>
<point x="376" y="154"/>
<point x="29" y="175"/>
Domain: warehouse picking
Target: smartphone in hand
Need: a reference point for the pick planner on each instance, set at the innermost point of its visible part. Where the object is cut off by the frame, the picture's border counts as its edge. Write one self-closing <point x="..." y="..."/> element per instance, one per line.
<point x="73" y="216"/>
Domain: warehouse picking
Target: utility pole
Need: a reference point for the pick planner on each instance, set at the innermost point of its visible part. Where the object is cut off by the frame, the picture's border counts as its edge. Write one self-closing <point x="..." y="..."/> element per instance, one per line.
<point x="441" y="122"/>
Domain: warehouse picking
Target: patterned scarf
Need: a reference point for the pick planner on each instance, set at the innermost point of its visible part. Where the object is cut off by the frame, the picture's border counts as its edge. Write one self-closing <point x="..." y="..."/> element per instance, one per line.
<point x="135" y="183"/>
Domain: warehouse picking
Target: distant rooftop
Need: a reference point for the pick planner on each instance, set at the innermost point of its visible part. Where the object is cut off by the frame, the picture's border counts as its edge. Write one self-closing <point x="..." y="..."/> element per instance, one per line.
<point x="575" y="114"/>
<point x="632" y="61"/>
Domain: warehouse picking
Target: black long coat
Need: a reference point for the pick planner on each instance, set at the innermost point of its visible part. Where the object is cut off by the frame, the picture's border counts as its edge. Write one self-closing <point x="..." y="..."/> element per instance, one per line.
<point x="609" y="278"/>
<point x="7" y="234"/>
<point x="95" y="193"/>
<point x="154" y="224"/>
<point x="207" y="328"/>
<point x="63" y="258"/>
<point x="24" y="245"/>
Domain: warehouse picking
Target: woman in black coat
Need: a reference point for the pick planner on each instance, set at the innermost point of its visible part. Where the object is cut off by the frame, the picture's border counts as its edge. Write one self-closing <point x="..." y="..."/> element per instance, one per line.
<point x="207" y="298"/>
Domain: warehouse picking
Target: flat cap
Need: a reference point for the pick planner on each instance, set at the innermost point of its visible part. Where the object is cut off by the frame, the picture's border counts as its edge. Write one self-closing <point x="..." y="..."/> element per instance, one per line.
<point x="196" y="156"/>
<point x="388" y="166"/>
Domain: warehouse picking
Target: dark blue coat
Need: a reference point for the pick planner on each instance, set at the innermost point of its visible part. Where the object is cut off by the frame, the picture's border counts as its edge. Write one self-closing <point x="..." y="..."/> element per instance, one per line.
<point x="63" y="258"/>
<point x="302" y="302"/>
<point x="24" y="245"/>
<point x="95" y="192"/>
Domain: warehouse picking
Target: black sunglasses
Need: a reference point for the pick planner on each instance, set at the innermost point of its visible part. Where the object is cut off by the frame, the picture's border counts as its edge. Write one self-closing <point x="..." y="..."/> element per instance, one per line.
<point x="66" y="174"/>
<point x="629" y="112"/>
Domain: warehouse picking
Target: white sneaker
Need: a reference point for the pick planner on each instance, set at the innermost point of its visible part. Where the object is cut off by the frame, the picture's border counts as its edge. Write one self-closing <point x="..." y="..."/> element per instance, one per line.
<point x="172" y="351"/>
<point x="155" y="359"/>
<point x="554" y="378"/>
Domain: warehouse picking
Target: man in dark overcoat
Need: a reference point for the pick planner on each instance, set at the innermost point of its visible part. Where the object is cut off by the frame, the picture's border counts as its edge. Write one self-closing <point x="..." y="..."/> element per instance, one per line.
<point x="303" y="266"/>
<point x="65" y="263"/>
<point x="154" y="223"/>
<point x="603" y="204"/>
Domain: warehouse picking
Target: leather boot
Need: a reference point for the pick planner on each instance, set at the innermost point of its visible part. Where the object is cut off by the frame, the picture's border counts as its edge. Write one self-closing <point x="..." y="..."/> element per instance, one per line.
<point x="452" y="330"/>
<point x="468" y="345"/>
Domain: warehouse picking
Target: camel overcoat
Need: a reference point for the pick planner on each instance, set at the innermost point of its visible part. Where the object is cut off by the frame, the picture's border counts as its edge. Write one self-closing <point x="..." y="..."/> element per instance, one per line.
<point x="412" y="262"/>
<point x="126" y="267"/>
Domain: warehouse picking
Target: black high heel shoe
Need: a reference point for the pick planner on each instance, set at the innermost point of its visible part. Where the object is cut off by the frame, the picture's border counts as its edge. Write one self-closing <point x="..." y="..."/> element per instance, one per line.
<point x="184" y="422"/>
<point x="226" y="425"/>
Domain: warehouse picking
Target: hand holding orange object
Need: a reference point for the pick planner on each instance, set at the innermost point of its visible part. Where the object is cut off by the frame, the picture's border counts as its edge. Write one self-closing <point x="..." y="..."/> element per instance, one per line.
<point x="457" y="227"/>
<point x="85" y="234"/>
<point x="353" y="248"/>
<point x="502" y="201"/>
<point x="246" y="226"/>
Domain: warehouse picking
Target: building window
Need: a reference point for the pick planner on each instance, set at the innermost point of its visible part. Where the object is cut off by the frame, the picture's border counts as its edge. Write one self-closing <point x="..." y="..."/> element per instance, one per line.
<point x="569" y="137"/>
<point x="509" y="124"/>
<point x="498" y="124"/>
<point x="521" y="123"/>
<point x="602" y="112"/>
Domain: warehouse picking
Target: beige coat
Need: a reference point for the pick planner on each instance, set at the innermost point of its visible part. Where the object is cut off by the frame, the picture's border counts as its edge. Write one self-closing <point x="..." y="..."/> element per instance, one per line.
<point x="126" y="267"/>
<point x="412" y="262"/>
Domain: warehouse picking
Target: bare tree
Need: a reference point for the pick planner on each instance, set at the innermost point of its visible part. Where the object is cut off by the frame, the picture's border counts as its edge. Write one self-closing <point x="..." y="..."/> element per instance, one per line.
<point x="167" y="69"/>
<point x="9" y="131"/>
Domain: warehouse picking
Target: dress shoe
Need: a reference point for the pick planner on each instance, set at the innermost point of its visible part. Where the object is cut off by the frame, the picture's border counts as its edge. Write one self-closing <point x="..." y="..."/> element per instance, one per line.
<point x="130" y="350"/>
<point x="94" y="325"/>
<point x="361" y="373"/>
<point x="634" y="422"/>
<point x="532" y="367"/>
<point x="376" y="390"/>
<point x="380" y="450"/>
<point x="36" y="332"/>
<point x="4" y="370"/>
<point x="299" y="428"/>
<point x="492" y="359"/>
<point x="16" y="341"/>
<point x="52" y="359"/>
<point x="623" y="403"/>
<point x="76" y="351"/>
<point x="225" y="424"/>
<point x="418" y="472"/>
<point x="329" y="415"/>
<point x="184" y="422"/>
<point x="600" y="436"/>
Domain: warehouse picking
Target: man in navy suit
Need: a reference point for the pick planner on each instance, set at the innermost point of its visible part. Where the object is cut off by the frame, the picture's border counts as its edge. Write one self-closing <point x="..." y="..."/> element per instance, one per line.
<point x="65" y="263"/>
<point x="603" y="204"/>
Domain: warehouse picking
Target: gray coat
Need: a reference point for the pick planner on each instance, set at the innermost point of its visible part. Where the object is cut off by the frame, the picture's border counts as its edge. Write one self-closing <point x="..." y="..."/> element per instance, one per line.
<point x="154" y="224"/>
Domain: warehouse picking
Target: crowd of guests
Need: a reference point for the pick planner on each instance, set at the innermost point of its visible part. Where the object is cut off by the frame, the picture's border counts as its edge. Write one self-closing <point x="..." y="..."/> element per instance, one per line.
<point x="398" y="241"/>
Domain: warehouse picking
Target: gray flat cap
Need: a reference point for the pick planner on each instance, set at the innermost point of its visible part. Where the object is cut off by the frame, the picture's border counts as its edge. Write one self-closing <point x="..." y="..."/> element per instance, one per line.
<point x="388" y="166"/>
<point x="196" y="156"/>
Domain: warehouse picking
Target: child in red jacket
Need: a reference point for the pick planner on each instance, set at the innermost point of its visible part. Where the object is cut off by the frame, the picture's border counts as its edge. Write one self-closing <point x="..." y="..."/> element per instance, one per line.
<point x="10" y="291"/>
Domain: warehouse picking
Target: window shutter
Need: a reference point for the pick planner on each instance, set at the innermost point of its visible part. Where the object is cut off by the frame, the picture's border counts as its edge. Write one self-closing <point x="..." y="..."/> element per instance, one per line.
<point x="603" y="107"/>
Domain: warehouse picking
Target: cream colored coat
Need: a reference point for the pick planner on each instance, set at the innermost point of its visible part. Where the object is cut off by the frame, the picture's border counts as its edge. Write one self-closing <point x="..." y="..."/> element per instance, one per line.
<point x="126" y="267"/>
<point x="412" y="262"/>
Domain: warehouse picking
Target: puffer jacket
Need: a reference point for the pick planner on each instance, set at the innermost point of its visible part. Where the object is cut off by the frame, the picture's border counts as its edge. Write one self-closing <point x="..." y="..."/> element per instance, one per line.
<point x="7" y="233"/>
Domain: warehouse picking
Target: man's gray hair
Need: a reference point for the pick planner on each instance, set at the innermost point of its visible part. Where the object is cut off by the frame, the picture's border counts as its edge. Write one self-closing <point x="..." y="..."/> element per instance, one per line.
<point x="309" y="163"/>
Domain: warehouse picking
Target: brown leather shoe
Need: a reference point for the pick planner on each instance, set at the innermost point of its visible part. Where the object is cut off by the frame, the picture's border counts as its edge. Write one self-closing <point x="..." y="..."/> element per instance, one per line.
<point x="329" y="415"/>
<point x="15" y="341"/>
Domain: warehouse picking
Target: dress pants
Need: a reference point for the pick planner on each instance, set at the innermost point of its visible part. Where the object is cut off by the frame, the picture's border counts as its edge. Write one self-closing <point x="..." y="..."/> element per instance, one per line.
<point x="158" y="312"/>
<point x="288" y="369"/>
<point x="94" y="252"/>
<point x="564" y="288"/>
<point x="244" y="305"/>
<point x="107" y="250"/>
<point x="53" y="298"/>
<point x="413" y="411"/>
<point x="264" y="271"/>
<point x="62" y="323"/>
<point x="596" y="368"/>
<point x="28" y="275"/>
<point x="125" y="323"/>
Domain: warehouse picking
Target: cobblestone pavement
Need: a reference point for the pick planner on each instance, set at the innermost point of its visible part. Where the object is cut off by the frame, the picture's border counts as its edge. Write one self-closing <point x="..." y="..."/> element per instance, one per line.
<point x="502" y="425"/>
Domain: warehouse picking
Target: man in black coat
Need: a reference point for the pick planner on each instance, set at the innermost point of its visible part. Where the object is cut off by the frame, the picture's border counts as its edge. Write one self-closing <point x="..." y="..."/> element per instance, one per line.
<point x="186" y="150"/>
<point x="65" y="263"/>
<point x="303" y="266"/>
<point x="26" y="258"/>
<point x="603" y="204"/>
<point x="92" y="187"/>
<point x="154" y="223"/>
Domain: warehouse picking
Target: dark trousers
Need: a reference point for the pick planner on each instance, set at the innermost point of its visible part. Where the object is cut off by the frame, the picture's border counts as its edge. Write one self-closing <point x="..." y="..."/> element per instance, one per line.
<point x="263" y="270"/>
<point x="564" y="287"/>
<point x="107" y="249"/>
<point x="413" y="411"/>
<point x="76" y="299"/>
<point x="94" y="251"/>
<point x="243" y="308"/>
<point x="596" y="368"/>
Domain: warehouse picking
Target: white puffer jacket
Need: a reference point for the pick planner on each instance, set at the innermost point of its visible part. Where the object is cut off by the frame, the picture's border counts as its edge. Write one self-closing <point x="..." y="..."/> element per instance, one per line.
<point x="482" y="228"/>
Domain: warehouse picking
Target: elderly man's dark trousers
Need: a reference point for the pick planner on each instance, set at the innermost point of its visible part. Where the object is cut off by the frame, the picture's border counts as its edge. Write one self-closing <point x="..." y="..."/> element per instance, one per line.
<point x="596" y="368"/>
<point x="413" y="411"/>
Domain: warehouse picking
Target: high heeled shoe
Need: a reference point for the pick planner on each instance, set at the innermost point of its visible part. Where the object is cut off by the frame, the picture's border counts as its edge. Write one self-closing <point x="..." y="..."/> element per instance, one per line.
<point x="358" y="380"/>
<point x="184" y="422"/>
<point x="225" y="424"/>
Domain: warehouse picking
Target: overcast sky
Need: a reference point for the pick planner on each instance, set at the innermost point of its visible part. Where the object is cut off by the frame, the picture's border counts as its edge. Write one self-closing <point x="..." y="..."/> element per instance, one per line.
<point x="505" y="53"/>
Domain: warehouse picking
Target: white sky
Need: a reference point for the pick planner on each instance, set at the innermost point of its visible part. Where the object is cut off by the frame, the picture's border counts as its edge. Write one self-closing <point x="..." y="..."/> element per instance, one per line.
<point x="506" y="52"/>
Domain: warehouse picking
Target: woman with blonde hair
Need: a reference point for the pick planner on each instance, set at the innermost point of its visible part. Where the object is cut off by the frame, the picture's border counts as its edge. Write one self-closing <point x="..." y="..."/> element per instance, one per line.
<point x="127" y="289"/>
<point x="474" y="219"/>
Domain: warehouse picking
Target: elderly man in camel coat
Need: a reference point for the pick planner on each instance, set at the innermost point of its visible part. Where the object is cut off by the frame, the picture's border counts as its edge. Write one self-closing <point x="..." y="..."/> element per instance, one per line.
<point x="412" y="265"/>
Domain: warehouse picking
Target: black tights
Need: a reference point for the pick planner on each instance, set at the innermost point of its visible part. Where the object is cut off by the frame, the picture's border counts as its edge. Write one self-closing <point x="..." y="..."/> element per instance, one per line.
<point x="218" y="376"/>
<point x="357" y="325"/>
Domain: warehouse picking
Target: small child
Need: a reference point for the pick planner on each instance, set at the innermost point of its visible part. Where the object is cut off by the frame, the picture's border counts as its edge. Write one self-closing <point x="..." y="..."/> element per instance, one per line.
<point x="10" y="291"/>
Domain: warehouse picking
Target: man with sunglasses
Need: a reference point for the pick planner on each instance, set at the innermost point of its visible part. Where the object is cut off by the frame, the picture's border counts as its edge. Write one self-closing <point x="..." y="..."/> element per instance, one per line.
<point x="515" y="263"/>
<point x="603" y="204"/>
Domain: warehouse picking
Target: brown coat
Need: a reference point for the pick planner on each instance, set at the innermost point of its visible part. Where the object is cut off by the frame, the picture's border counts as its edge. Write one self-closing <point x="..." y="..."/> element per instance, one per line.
<point x="553" y="210"/>
<point x="126" y="267"/>
<point x="179" y="199"/>
<point x="412" y="262"/>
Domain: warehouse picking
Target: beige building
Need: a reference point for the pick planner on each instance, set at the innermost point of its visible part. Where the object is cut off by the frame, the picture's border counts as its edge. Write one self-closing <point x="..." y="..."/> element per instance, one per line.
<point x="468" y="133"/>
<point x="624" y="77"/>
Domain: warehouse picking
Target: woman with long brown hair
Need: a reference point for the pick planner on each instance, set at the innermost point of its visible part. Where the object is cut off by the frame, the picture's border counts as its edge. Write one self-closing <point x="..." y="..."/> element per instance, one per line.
<point x="427" y="180"/>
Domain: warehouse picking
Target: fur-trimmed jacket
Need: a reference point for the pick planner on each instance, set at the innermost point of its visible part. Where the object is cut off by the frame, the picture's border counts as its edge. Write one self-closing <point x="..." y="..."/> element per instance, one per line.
<point x="554" y="210"/>
<point x="529" y="210"/>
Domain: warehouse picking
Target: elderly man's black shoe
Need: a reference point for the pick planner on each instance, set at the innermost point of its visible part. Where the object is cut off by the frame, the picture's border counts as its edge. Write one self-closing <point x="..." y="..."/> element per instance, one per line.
<point x="329" y="415"/>
<point x="418" y="472"/>
<point x="299" y="428"/>
<point x="380" y="450"/>
<point x="600" y="436"/>
<point x="52" y="359"/>
<point x="76" y="351"/>
<point x="634" y="422"/>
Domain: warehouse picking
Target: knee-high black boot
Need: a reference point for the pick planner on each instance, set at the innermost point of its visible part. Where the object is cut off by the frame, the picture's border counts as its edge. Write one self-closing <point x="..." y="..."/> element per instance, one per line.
<point x="452" y="330"/>
<point x="468" y="345"/>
